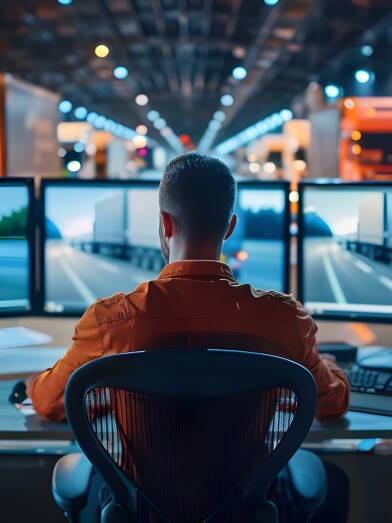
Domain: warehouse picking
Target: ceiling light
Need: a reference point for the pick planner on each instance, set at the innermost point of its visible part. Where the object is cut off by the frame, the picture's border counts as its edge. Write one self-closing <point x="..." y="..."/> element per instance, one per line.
<point x="102" y="51"/>
<point x="271" y="2"/>
<point x="99" y="122"/>
<point x="159" y="124"/>
<point x="252" y="157"/>
<point x="214" y="125"/>
<point x="356" y="135"/>
<point x="65" y="106"/>
<point x="286" y="114"/>
<point x="269" y="167"/>
<point x="239" y="52"/>
<point x="141" y="99"/>
<point x="91" y="149"/>
<point x="141" y="129"/>
<point x="294" y="196"/>
<point x="80" y="113"/>
<point x="260" y="128"/>
<point x="64" y="2"/>
<point x="166" y="131"/>
<point x="300" y="166"/>
<point x="220" y="116"/>
<point x="239" y="73"/>
<point x="110" y="126"/>
<point x="332" y="91"/>
<point x="152" y="115"/>
<point x="91" y="117"/>
<point x="78" y="147"/>
<point x="362" y="76"/>
<point x="356" y="149"/>
<point x="227" y="100"/>
<point x="61" y="152"/>
<point x="254" y="167"/>
<point x="120" y="72"/>
<point x="367" y="50"/>
<point x="139" y="141"/>
<point x="349" y="103"/>
<point x="74" y="166"/>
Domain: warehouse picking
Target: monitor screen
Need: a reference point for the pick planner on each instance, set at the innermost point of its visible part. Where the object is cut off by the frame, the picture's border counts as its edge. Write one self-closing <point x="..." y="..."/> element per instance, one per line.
<point x="345" y="266"/>
<point x="16" y="246"/>
<point x="257" y="251"/>
<point x="103" y="237"/>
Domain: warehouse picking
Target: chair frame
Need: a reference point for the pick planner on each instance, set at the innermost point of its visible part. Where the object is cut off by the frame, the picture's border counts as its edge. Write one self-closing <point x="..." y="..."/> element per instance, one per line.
<point x="190" y="374"/>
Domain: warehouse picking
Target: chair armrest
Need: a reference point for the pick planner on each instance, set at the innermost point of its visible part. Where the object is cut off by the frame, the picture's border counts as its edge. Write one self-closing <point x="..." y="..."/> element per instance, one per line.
<point x="308" y="480"/>
<point x="71" y="481"/>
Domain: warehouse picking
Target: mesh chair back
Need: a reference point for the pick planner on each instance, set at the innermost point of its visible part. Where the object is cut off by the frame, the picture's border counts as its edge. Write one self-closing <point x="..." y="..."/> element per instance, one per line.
<point x="193" y="445"/>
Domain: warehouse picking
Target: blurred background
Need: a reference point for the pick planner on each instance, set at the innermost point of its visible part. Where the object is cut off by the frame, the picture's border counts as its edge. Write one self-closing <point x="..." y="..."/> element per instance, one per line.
<point x="115" y="88"/>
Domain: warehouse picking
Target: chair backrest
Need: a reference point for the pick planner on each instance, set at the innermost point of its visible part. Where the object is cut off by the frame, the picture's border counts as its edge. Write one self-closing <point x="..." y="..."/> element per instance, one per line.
<point x="192" y="430"/>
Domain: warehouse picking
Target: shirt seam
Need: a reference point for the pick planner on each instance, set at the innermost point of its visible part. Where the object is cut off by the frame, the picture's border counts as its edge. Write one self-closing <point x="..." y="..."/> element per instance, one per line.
<point x="129" y="317"/>
<point x="99" y="330"/>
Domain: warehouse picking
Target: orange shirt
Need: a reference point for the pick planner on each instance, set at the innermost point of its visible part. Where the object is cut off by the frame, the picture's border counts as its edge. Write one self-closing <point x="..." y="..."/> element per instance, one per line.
<point x="193" y="304"/>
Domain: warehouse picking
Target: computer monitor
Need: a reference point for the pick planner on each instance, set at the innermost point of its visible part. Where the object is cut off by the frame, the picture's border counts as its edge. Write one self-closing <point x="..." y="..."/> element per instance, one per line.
<point x="258" y="250"/>
<point x="16" y="246"/>
<point x="101" y="237"/>
<point x="345" y="250"/>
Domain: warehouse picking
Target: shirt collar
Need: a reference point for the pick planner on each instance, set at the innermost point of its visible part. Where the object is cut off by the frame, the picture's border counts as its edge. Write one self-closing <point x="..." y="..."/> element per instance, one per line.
<point x="211" y="268"/>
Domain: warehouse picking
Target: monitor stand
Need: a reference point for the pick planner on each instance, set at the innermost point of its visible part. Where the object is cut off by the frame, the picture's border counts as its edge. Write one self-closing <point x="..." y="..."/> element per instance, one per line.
<point x="380" y="359"/>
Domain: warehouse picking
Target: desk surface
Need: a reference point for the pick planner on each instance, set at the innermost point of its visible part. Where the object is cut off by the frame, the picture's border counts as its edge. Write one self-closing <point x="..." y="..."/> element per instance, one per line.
<point x="14" y="425"/>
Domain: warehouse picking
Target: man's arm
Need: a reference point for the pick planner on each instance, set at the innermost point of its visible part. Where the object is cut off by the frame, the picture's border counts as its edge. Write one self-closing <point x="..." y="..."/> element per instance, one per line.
<point x="332" y="383"/>
<point x="46" y="389"/>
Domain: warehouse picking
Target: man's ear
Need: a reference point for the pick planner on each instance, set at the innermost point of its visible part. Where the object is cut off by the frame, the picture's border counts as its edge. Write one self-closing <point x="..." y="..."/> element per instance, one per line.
<point x="168" y="224"/>
<point x="231" y="227"/>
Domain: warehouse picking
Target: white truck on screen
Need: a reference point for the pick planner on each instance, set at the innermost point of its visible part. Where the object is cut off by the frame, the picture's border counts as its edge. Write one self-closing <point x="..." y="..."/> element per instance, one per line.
<point x="126" y="225"/>
<point x="374" y="233"/>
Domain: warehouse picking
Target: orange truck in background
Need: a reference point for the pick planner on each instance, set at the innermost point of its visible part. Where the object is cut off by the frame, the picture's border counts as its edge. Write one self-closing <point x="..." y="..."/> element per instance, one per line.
<point x="366" y="139"/>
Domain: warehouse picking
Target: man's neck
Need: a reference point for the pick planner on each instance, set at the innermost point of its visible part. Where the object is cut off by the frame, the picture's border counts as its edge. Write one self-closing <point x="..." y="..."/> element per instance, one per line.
<point x="212" y="254"/>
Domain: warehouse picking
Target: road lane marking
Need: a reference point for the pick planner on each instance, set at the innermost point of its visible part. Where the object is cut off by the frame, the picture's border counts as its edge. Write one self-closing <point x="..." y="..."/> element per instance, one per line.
<point x="337" y="290"/>
<point x="91" y="258"/>
<point x="363" y="267"/>
<point x="81" y="287"/>
<point x="386" y="281"/>
<point x="110" y="267"/>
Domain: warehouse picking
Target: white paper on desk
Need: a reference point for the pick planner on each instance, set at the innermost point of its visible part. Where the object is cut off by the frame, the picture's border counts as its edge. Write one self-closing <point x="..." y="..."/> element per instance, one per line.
<point x="22" y="337"/>
<point x="26" y="407"/>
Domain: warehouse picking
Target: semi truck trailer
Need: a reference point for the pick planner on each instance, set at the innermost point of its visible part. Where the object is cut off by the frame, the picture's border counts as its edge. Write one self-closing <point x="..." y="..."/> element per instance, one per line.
<point x="374" y="233"/>
<point x="126" y="225"/>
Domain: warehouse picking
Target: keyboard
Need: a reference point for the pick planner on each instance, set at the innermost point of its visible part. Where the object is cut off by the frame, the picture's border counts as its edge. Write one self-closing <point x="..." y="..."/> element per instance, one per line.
<point x="371" y="390"/>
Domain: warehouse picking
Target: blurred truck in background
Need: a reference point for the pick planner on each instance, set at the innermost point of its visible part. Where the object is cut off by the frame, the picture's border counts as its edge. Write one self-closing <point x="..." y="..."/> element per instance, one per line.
<point x="374" y="234"/>
<point x="366" y="138"/>
<point x="126" y="225"/>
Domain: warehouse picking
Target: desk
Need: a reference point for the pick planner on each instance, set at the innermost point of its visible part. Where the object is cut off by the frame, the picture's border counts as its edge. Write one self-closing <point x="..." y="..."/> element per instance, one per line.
<point x="18" y="363"/>
<point x="354" y="425"/>
<point x="16" y="426"/>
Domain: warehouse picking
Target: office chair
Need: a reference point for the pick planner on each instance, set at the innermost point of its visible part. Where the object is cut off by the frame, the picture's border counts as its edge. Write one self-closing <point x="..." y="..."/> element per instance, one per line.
<point x="188" y="436"/>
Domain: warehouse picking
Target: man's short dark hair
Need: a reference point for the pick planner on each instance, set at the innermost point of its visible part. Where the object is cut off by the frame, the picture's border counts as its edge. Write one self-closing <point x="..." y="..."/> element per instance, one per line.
<point x="199" y="191"/>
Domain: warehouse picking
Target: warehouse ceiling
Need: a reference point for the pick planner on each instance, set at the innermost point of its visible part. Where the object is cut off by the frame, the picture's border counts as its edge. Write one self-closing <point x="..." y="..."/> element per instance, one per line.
<point x="181" y="54"/>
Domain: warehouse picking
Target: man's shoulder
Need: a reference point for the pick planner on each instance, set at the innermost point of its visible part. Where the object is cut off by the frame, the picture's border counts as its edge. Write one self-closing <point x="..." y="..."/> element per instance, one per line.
<point x="275" y="296"/>
<point x="119" y="306"/>
<point x="273" y="300"/>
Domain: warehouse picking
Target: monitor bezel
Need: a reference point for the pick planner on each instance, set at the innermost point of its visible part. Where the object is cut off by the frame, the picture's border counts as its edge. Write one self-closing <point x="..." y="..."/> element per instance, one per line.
<point x="50" y="182"/>
<point x="31" y="241"/>
<point x="331" y="184"/>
